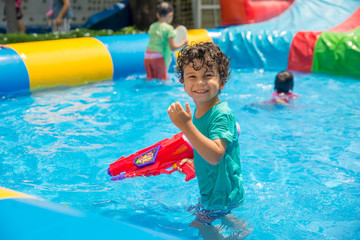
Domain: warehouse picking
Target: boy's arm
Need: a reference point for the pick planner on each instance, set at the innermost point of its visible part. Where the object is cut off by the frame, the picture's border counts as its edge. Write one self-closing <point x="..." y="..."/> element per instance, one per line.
<point x="211" y="150"/>
<point x="281" y="101"/>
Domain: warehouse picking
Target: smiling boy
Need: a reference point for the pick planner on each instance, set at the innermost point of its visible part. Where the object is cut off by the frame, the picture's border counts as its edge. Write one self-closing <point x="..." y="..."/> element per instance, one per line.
<point x="204" y="69"/>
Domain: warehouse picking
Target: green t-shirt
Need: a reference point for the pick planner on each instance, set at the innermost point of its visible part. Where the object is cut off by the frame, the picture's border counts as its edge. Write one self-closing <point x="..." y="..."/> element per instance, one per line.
<point x="159" y="34"/>
<point x="220" y="185"/>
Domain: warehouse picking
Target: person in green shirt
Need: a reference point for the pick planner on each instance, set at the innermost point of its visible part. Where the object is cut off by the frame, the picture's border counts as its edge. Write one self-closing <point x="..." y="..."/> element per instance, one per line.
<point x="158" y="52"/>
<point x="204" y="69"/>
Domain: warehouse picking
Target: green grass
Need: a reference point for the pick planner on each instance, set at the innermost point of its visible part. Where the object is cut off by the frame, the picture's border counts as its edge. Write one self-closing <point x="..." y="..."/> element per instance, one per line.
<point x="32" y="37"/>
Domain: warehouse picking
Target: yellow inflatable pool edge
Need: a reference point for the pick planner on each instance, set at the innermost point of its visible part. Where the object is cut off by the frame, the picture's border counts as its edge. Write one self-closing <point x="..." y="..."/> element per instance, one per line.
<point x="75" y="61"/>
<point x="7" y="193"/>
<point x="68" y="62"/>
<point x="198" y="35"/>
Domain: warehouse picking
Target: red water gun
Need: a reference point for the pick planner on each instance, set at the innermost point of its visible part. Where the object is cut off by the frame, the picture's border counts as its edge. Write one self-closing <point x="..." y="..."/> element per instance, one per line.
<point x="155" y="160"/>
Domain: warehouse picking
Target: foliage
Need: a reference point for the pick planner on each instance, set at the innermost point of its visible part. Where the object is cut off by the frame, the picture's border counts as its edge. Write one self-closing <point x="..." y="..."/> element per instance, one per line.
<point x="32" y="37"/>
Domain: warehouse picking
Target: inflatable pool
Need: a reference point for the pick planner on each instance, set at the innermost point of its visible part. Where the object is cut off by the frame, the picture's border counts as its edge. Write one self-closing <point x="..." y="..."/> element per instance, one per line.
<point x="27" y="217"/>
<point x="299" y="39"/>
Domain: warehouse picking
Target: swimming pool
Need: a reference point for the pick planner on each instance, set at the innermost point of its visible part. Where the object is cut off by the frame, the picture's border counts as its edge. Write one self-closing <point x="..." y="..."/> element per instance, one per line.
<point x="301" y="164"/>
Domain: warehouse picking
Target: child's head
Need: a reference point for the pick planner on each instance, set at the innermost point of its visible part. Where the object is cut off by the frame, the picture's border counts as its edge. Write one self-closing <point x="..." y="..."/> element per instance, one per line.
<point x="165" y="11"/>
<point x="284" y="82"/>
<point x="210" y="57"/>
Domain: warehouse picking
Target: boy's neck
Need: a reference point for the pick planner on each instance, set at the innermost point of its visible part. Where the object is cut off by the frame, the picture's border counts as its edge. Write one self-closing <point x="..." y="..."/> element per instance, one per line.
<point x="202" y="108"/>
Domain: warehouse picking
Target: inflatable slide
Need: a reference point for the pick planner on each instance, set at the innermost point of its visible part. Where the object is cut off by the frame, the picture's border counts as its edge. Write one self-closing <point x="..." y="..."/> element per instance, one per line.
<point x="335" y="51"/>
<point x="247" y="11"/>
<point x="267" y="44"/>
<point x="114" y="18"/>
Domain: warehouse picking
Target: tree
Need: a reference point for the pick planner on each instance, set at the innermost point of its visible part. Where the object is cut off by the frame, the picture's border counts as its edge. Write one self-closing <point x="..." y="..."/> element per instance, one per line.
<point x="11" y="20"/>
<point x="143" y="13"/>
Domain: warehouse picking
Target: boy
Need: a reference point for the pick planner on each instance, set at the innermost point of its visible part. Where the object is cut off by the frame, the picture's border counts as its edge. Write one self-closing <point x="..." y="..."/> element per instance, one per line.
<point x="204" y="69"/>
<point x="158" y="52"/>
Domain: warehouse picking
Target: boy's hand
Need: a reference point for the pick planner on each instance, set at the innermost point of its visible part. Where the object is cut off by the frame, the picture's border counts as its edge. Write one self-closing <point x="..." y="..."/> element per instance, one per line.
<point x="179" y="116"/>
<point x="189" y="161"/>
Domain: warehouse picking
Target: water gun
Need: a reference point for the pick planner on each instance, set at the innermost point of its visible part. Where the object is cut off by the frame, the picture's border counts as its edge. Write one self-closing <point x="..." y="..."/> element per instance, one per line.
<point x="155" y="160"/>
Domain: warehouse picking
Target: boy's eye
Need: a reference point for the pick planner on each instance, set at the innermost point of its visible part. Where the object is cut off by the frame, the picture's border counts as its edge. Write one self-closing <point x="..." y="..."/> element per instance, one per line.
<point x="209" y="75"/>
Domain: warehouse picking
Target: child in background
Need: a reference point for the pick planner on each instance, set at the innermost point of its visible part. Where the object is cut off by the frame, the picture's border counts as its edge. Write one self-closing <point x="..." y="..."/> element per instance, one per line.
<point x="284" y="84"/>
<point x="204" y="69"/>
<point x="158" y="52"/>
<point x="61" y="15"/>
<point x="19" y="15"/>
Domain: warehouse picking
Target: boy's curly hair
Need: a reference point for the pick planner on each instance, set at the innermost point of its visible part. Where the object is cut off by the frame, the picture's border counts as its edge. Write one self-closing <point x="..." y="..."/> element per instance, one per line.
<point x="210" y="56"/>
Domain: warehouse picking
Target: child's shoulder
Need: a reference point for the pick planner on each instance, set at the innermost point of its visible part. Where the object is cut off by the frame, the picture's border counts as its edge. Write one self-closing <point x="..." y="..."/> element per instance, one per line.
<point x="223" y="105"/>
<point x="154" y="25"/>
<point x="222" y="108"/>
<point x="281" y="98"/>
<point x="165" y="27"/>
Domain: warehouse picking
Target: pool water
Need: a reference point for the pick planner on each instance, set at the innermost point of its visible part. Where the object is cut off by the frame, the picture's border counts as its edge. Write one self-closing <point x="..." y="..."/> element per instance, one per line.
<point x="301" y="163"/>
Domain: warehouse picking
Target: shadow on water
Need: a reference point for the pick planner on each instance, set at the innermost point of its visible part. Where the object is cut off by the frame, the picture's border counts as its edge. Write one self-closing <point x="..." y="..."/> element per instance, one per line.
<point x="229" y="227"/>
<point x="182" y="223"/>
<point x="254" y="108"/>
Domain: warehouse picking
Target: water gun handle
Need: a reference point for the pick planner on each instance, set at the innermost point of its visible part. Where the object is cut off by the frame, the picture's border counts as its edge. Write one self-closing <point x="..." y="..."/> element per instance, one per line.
<point x="189" y="171"/>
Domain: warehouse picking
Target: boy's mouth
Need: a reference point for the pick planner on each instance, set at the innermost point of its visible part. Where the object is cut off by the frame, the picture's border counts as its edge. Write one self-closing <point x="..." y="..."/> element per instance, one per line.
<point x="201" y="91"/>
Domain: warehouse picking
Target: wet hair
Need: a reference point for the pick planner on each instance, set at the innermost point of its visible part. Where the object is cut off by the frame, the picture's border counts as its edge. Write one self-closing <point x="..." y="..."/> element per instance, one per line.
<point x="284" y="82"/>
<point x="164" y="8"/>
<point x="210" y="56"/>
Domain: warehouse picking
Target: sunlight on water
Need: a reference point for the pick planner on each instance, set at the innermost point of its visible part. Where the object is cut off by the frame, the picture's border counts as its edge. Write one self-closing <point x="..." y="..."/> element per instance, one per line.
<point x="301" y="163"/>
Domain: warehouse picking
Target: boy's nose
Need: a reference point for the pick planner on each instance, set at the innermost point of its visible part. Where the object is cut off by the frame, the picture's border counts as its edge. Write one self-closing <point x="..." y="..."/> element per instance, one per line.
<point x="201" y="81"/>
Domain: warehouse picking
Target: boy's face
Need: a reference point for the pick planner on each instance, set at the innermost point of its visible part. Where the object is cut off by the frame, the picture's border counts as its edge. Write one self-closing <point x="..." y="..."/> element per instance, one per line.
<point x="202" y="86"/>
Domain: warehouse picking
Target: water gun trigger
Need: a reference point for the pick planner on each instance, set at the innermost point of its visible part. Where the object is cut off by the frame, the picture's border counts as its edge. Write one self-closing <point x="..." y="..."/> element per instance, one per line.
<point x="164" y="171"/>
<point x="189" y="171"/>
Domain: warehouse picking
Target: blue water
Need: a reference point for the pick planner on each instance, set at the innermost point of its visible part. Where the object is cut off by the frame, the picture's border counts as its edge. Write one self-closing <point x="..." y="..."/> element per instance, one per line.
<point x="301" y="163"/>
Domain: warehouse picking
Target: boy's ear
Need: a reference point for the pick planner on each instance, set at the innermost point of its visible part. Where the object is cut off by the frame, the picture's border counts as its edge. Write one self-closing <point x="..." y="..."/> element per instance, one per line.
<point x="222" y="85"/>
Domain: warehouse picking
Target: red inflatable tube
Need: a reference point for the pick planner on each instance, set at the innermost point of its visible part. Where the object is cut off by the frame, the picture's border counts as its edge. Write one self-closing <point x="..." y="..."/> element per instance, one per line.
<point x="235" y="12"/>
<point x="301" y="53"/>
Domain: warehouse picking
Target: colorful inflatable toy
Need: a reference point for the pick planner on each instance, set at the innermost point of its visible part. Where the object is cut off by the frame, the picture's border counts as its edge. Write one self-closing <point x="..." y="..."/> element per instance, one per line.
<point x="155" y="160"/>
<point x="235" y="12"/>
<point x="298" y="39"/>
